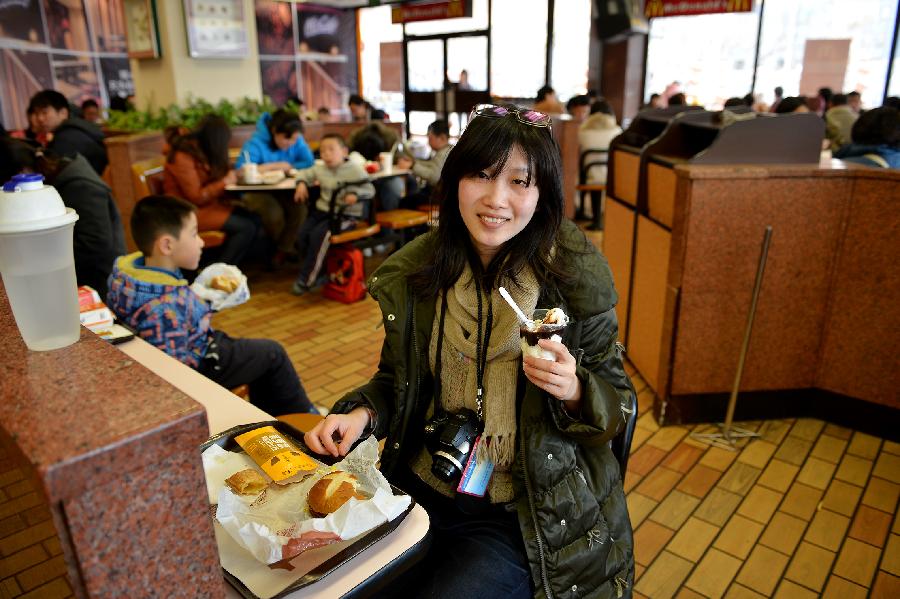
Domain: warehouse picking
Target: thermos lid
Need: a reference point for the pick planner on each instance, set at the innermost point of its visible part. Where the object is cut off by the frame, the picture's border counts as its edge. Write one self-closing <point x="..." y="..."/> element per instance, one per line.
<point x="27" y="205"/>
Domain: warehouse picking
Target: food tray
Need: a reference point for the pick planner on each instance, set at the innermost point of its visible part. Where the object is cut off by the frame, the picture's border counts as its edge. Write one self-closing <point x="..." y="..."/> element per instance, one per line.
<point x="226" y="441"/>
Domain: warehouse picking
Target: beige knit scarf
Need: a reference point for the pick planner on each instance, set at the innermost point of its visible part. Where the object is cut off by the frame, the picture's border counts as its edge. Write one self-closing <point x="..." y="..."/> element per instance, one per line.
<point x="458" y="359"/>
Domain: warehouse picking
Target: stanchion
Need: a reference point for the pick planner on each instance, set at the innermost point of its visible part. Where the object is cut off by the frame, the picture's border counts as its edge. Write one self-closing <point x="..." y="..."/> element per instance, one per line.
<point x="728" y="432"/>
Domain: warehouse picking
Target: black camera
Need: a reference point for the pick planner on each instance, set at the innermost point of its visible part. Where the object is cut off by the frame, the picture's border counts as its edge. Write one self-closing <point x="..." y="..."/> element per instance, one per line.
<point x="450" y="438"/>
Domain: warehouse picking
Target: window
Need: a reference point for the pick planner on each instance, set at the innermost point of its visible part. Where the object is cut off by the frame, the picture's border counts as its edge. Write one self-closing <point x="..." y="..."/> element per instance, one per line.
<point x="894" y="84"/>
<point x="375" y="29"/>
<point x="571" y="40"/>
<point x="789" y="24"/>
<point x="710" y="56"/>
<point x="478" y="20"/>
<point x="518" y="47"/>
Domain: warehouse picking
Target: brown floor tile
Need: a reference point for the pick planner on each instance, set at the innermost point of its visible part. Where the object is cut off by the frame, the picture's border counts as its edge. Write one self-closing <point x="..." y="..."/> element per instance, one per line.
<point x="658" y="483"/>
<point x="896" y="527"/>
<point x="640" y="437"/>
<point x="839" y="588"/>
<point x="692" y="539"/>
<point x="790" y="590"/>
<point x="639" y="507"/>
<point x="718" y="507"/>
<point x="762" y="570"/>
<point x="738" y="536"/>
<point x="891" y="447"/>
<point x="890" y="561"/>
<point x="718" y="458"/>
<point x="631" y="481"/>
<point x="870" y="525"/>
<point x="682" y="458"/>
<point x="760" y="504"/>
<point x="648" y="422"/>
<point x="829" y="448"/>
<point x="837" y="431"/>
<point x="886" y="586"/>
<point x="667" y="437"/>
<point x="637" y="595"/>
<point x="857" y="562"/>
<point x="714" y="573"/>
<point x="739" y="478"/>
<point x="801" y="501"/>
<point x="738" y="591"/>
<point x="881" y="494"/>
<point x="774" y="431"/>
<point x="645" y="459"/>
<point x="854" y="470"/>
<point x="842" y="497"/>
<point x="686" y="593"/>
<point x="888" y="467"/>
<point x="793" y="450"/>
<point x="663" y="579"/>
<point x="810" y="566"/>
<point x="649" y="539"/>
<point x="783" y="533"/>
<point x="699" y="480"/>
<point x="807" y="428"/>
<point x="864" y="446"/>
<point x="757" y="453"/>
<point x="778" y="475"/>
<point x="816" y="473"/>
<point x="638" y="570"/>
<point x="827" y="530"/>
<point x="675" y="509"/>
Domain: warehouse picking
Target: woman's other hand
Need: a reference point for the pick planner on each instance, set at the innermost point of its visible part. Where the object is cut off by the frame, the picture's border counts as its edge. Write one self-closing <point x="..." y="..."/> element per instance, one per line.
<point x="346" y="427"/>
<point x="556" y="378"/>
<point x="275" y="166"/>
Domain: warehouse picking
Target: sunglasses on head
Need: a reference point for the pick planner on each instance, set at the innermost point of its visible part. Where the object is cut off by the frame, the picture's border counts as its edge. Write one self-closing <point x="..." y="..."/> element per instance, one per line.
<point x="528" y="117"/>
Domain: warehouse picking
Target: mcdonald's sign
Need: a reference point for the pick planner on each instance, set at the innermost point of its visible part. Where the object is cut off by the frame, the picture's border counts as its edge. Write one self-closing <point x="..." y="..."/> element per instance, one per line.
<point x="677" y="8"/>
<point x="431" y="11"/>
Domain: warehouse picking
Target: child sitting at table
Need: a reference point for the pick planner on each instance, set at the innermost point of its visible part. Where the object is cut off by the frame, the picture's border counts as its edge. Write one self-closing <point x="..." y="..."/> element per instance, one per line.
<point x="147" y="292"/>
<point x="334" y="176"/>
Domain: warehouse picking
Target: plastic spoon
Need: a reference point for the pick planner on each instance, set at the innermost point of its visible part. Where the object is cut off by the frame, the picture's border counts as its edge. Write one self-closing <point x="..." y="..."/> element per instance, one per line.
<point x="512" y="303"/>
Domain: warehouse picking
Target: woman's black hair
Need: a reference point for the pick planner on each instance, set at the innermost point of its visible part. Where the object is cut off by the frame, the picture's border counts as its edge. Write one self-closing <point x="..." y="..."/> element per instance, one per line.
<point x="486" y="145"/>
<point x="208" y="142"/>
<point x="17" y="155"/>
<point x="876" y="127"/>
<point x="285" y="122"/>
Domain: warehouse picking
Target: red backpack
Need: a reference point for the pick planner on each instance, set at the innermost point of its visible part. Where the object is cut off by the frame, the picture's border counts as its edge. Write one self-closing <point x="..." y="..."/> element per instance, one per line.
<point x="346" y="275"/>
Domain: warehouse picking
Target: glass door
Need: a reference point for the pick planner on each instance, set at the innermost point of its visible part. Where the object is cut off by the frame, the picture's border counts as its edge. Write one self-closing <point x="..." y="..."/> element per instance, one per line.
<point x="446" y="76"/>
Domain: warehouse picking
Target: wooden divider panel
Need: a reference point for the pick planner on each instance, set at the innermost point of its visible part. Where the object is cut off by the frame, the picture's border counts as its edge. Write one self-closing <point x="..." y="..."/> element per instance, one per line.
<point x="627" y="167"/>
<point x="618" y="237"/>
<point x="661" y="193"/>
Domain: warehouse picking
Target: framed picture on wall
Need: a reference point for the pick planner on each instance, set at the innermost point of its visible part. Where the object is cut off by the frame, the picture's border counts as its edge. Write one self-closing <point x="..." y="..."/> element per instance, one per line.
<point x="141" y="28"/>
<point x="216" y="28"/>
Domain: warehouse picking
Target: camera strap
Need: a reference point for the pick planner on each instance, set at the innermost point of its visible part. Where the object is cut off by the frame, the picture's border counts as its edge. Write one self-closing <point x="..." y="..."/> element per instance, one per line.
<point x="481" y="349"/>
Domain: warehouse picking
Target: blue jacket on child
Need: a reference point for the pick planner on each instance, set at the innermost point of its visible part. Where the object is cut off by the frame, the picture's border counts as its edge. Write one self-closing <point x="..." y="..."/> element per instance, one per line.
<point x="262" y="149"/>
<point x="160" y="305"/>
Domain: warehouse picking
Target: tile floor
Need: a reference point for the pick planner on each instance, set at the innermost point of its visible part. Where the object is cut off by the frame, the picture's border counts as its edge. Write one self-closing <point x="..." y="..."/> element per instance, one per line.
<point x="808" y="509"/>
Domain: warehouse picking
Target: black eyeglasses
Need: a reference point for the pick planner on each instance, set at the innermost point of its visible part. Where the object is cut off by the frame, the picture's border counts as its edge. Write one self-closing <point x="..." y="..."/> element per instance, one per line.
<point x="528" y="117"/>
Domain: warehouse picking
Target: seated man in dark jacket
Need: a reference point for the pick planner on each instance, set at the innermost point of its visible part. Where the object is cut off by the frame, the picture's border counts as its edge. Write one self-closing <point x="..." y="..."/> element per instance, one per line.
<point x="71" y="135"/>
<point x="99" y="237"/>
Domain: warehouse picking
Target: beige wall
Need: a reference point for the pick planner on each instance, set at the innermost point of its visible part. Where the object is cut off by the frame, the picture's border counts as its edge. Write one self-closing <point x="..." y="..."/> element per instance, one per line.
<point x="176" y="76"/>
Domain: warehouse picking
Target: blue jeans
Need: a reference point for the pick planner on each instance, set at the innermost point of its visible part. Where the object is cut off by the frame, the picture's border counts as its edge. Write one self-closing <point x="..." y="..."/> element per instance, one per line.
<point x="470" y="556"/>
<point x="240" y="232"/>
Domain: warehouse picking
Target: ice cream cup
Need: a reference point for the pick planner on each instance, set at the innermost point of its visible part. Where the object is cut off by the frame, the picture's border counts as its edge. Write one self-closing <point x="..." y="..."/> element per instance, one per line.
<point x="529" y="337"/>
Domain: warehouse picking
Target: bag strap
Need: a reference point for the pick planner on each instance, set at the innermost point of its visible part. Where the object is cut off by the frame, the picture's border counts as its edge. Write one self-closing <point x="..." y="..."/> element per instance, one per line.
<point x="877" y="160"/>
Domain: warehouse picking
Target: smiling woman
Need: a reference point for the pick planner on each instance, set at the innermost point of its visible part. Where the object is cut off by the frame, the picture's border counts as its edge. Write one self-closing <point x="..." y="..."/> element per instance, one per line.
<point x="452" y="366"/>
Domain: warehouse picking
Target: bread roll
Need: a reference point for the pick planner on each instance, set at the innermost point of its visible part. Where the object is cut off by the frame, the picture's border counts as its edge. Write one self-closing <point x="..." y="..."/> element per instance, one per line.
<point x="332" y="491"/>
<point x="247" y="482"/>
<point x="223" y="283"/>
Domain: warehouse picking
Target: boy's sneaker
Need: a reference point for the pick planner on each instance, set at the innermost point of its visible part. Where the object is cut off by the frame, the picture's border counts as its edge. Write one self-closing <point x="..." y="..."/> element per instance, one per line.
<point x="299" y="288"/>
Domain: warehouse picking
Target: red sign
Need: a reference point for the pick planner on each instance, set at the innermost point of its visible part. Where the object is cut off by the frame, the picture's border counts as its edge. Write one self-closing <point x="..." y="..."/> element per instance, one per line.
<point x="432" y="11"/>
<point x="677" y="8"/>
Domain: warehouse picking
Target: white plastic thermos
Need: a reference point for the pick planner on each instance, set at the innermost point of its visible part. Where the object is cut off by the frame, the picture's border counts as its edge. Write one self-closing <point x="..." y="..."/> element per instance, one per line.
<point x="37" y="262"/>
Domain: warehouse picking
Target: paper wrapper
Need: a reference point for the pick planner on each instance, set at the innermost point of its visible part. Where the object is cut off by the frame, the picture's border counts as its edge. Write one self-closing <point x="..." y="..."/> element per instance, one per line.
<point x="276" y="525"/>
<point x="220" y="299"/>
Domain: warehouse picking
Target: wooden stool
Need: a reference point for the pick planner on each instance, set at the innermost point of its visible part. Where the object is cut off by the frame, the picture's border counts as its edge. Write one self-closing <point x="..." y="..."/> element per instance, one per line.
<point x="401" y="221"/>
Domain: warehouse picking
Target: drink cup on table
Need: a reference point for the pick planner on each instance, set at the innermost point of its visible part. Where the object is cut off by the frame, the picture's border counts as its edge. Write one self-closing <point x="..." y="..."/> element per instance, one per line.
<point x="37" y="262"/>
<point x="250" y="173"/>
<point x="547" y="324"/>
<point x="386" y="160"/>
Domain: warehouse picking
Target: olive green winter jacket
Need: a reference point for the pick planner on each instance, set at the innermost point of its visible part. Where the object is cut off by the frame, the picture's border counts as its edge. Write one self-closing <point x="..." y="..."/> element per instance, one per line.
<point x="570" y="501"/>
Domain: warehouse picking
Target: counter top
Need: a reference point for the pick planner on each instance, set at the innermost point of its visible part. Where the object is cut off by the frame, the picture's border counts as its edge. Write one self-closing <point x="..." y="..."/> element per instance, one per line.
<point x="73" y="404"/>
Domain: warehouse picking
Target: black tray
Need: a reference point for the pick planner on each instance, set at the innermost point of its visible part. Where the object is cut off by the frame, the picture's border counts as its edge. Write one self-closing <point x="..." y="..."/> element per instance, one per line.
<point x="226" y="441"/>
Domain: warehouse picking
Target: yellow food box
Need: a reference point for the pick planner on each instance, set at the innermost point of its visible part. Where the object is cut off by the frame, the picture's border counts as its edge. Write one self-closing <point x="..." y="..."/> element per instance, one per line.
<point x="276" y="455"/>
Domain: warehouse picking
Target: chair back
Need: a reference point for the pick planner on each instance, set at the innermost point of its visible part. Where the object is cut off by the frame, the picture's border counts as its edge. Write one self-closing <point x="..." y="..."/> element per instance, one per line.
<point x="589" y="158"/>
<point x="148" y="176"/>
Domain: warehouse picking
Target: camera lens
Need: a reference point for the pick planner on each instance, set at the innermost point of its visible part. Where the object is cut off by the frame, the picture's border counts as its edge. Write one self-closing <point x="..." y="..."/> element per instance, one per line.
<point x="443" y="469"/>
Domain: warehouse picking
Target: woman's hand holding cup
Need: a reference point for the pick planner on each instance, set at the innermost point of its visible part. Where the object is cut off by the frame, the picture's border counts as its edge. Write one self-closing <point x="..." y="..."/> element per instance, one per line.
<point x="347" y="427"/>
<point x="556" y="378"/>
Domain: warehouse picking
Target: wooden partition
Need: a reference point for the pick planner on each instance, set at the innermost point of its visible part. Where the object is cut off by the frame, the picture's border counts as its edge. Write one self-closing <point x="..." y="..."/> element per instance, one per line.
<point x="125" y="150"/>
